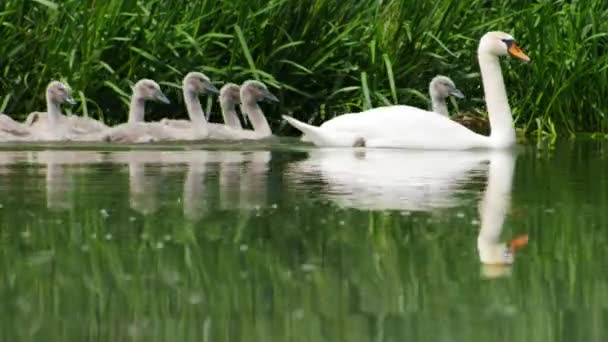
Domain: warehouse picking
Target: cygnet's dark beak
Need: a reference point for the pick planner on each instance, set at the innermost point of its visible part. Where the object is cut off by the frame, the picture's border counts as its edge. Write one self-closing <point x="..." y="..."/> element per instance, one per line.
<point x="270" y="97"/>
<point x="70" y="100"/>
<point x="457" y="93"/>
<point x="211" y="88"/>
<point x="161" y="97"/>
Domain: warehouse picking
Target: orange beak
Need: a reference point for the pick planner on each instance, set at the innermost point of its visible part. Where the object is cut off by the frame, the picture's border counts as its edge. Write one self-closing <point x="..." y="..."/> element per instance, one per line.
<point x="519" y="242"/>
<point x="516" y="52"/>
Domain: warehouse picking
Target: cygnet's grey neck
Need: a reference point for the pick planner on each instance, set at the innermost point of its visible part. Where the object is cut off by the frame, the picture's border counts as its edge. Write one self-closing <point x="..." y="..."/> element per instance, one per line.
<point x="194" y="108"/>
<point x="54" y="111"/>
<point x="256" y="117"/>
<point x="439" y="105"/>
<point x="137" y="109"/>
<point x="231" y="119"/>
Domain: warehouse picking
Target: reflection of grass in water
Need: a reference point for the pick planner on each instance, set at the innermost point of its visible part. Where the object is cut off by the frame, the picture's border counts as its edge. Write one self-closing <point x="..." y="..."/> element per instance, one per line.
<point x="326" y="56"/>
<point x="307" y="270"/>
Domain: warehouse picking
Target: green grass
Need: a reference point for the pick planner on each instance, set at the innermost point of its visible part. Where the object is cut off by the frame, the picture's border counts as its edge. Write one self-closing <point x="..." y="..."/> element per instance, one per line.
<point x="323" y="57"/>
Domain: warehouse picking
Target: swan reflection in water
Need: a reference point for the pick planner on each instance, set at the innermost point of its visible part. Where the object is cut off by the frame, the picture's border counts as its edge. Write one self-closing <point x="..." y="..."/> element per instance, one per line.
<point x="421" y="180"/>
<point x="241" y="183"/>
<point x="59" y="175"/>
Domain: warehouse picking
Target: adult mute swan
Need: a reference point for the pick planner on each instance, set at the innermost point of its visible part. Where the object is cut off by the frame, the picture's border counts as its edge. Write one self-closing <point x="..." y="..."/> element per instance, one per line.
<point x="440" y="88"/>
<point x="410" y="127"/>
<point x="135" y="130"/>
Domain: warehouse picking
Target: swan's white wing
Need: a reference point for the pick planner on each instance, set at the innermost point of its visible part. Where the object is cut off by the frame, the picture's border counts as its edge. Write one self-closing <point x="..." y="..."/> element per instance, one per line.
<point x="407" y="127"/>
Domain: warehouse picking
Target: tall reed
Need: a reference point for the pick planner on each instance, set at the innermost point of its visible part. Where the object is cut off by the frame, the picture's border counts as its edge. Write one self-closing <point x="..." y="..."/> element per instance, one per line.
<point x="323" y="57"/>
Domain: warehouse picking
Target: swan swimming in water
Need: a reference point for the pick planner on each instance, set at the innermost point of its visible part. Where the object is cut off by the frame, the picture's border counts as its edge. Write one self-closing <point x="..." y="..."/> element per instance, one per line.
<point x="11" y="130"/>
<point x="55" y="126"/>
<point x="197" y="127"/>
<point x="410" y="127"/>
<point x="135" y="130"/>
<point x="253" y="92"/>
<point x="230" y="96"/>
<point x="78" y="124"/>
<point x="440" y="88"/>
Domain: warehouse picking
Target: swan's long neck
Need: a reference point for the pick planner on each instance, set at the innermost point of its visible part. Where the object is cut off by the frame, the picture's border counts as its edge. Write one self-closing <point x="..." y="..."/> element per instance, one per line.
<point x="256" y="117"/>
<point x="54" y="112"/>
<point x="440" y="106"/>
<point x="137" y="109"/>
<point x="496" y="200"/>
<point x="231" y="119"/>
<point x="494" y="207"/>
<point x="194" y="107"/>
<point x="501" y="121"/>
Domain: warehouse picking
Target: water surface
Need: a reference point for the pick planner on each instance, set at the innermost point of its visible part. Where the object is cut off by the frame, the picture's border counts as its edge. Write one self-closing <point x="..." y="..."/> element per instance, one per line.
<point x="283" y="242"/>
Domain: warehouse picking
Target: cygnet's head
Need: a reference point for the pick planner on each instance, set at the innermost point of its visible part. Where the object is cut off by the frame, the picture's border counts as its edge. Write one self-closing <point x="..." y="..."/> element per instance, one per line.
<point x="230" y="94"/>
<point x="501" y="44"/>
<point x="255" y="91"/>
<point x="59" y="93"/>
<point x="198" y="83"/>
<point x="442" y="86"/>
<point x="149" y="90"/>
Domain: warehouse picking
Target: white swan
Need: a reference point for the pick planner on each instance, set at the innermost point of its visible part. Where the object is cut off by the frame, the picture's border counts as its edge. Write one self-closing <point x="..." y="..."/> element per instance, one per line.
<point x="410" y="127"/>
<point x="440" y="88"/>
<point x="135" y="130"/>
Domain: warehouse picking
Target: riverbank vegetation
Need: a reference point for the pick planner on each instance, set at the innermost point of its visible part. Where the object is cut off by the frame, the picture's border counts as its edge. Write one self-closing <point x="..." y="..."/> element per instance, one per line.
<point x="322" y="57"/>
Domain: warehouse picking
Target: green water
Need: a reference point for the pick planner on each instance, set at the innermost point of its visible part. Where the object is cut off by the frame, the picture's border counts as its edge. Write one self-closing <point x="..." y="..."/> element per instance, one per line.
<point x="284" y="242"/>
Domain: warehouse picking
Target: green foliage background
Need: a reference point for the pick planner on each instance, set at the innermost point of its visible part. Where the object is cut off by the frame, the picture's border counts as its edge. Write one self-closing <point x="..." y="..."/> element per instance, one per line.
<point x="322" y="57"/>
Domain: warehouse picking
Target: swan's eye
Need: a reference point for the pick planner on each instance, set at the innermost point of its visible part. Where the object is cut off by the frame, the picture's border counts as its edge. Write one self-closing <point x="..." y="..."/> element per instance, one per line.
<point x="509" y="42"/>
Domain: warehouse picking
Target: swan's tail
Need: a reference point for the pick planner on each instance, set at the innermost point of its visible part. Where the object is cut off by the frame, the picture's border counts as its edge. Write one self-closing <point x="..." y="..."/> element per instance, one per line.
<point x="323" y="136"/>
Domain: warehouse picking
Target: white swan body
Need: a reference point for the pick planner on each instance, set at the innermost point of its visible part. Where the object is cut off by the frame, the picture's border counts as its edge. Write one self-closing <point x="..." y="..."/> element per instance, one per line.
<point x="440" y="88"/>
<point x="410" y="127"/>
